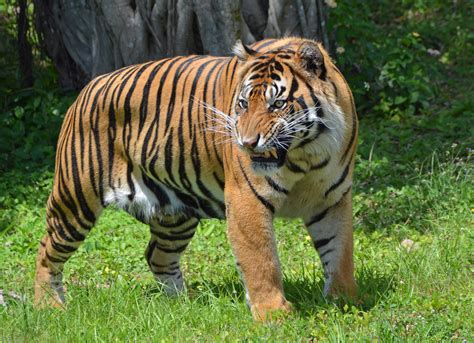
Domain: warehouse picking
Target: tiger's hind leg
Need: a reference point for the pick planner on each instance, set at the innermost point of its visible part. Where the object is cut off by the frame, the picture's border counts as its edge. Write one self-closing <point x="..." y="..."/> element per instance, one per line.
<point x="169" y="238"/>
<point x="67" y="223"/>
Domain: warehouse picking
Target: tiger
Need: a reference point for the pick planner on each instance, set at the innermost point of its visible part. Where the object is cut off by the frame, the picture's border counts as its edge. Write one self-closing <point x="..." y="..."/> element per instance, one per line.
<point x="269" y="131"/>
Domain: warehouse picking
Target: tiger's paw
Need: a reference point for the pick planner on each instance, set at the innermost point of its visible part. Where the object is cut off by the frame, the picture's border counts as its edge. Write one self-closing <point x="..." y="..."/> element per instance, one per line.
<point x="271" y="311"/>
<point x="345" y="288"/>
<point x="49" y="291"/>
<point x="172" y="285"/>
<point x="46" y="297"/>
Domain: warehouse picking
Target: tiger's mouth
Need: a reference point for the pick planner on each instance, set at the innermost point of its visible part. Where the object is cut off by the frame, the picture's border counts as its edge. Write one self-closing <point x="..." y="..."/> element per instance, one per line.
<point x="273" y="157"/>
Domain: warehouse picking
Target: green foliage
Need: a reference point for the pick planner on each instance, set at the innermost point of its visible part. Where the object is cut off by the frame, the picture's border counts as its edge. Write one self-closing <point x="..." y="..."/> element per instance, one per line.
<point x="29" y="118"/>
<point x="29" y="125"/>
<point x="8" y="59"/>
<point x="397" y="54"/>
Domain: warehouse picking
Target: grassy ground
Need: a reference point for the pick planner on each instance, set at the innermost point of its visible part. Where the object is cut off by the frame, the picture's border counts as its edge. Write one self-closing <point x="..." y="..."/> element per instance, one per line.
<point x="413" y="181"/>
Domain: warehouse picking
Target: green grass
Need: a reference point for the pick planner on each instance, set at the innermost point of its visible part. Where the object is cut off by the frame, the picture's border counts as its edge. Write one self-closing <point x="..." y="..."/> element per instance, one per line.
<point x="413" y="181"/>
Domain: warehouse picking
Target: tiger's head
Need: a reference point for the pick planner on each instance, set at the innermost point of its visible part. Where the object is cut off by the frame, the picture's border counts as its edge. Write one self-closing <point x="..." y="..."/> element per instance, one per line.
<point x="283" y="102"/>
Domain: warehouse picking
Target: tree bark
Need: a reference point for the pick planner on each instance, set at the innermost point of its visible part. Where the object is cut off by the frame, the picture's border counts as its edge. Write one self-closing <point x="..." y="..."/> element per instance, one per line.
<point x="25" y="54"/>
<point x="91" y="37"/>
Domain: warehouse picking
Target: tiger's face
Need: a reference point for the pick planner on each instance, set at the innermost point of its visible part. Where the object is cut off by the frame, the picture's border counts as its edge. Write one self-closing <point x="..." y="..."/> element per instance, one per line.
<point x="276" y="109"/>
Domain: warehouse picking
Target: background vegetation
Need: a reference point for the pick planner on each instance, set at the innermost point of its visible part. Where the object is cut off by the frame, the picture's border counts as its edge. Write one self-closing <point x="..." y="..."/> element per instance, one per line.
<point x="410" y="65"/>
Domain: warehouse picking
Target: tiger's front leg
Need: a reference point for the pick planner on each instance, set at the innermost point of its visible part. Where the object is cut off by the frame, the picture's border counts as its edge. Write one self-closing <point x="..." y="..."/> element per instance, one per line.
<point x="331" y="232"/>
<point x="250" y="231"/>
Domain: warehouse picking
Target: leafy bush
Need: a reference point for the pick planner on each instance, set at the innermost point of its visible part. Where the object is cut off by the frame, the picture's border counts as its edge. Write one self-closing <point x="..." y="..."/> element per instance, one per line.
<point x="394" y="53"/>
<point x="29" y="125"/>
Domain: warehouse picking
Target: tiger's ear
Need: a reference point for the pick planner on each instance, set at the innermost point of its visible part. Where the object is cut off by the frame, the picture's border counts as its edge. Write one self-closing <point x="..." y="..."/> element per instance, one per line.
<point x="312" y="59"/>
<point x="242" y="51"/>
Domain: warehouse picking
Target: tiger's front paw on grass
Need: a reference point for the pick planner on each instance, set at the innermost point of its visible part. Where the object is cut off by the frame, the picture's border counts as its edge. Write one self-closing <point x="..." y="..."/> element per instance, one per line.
<point x="271" y="311"/>
<point x="47" y="299"/>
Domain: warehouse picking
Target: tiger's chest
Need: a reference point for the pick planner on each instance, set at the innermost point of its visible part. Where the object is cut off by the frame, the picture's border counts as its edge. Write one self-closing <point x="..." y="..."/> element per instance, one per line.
<point x="315" y="190"/>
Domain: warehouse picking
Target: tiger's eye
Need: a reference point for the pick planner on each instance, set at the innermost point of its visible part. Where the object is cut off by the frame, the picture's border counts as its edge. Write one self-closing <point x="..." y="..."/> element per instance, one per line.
<point x="243" y="103"/>
<point x="279" y="103"/>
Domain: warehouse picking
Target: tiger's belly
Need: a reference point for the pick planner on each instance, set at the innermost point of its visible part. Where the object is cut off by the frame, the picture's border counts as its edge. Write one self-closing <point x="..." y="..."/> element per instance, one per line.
<point x="145" y="197"/>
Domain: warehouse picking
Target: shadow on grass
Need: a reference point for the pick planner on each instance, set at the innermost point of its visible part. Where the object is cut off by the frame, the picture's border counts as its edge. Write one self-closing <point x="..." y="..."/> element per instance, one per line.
<point x="306" y="294"/>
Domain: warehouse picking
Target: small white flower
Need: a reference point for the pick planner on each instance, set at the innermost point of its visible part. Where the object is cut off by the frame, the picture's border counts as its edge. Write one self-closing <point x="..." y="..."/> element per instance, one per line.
<point x="433" y="52"/>
<point x="409" y="245"/>
<point x="340" y="50"/>
<point x="331" y="3"/>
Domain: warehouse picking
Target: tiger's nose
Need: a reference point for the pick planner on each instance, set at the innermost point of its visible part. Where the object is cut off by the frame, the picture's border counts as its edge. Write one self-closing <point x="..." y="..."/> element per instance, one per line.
<point x="250" y="143"/>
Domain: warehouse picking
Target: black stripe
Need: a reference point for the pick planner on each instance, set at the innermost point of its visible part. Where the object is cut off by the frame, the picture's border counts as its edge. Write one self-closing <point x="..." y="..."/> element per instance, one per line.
<point x="111" y="135"/>
<point x="261" y="45"/>
<point x="127" y="74"/>
<point x="340" y="180"/>
<point x="71" y="230"/>
<point x="192" y="226"/>
<point x="335" y="88"/>
<point x="293" y="88"/>
<point x="127" y="110"/>
<point x="196" y="82"/>
<point x="353" y="135"/>
<point x="166" y="273"/>
<point x="320" y="216"/>
<point x="159" y="192"/>
<point x="174" y="224"/>
<point x="146" y="92"/>
<point x="152" y="129"/>
<point x="219" y="181"/>
<point x="169" y="157"/>
<point x="264" y="201"/>
<point x="167" y="237"/>
<point x="183" y="176"/>
<point x="320" y="165"/>
<point x="98" y="148"/>
<point x="278" y="66"/>
<point x="153" y="126"/>
<point x="217" y="84"/>
<point x="233" y="71"/>
<point x="354" y="117"/>
<point x="92" y="172"/>
<point x="157" y="265"/>
<point x="179" y="249"/>
<point x="61" y="247"/>
<point x="294" y="167"/>
<point x="258" y="67"/>
<point x="206" y="192"/>
<point x="68" y="200"/>
<point x="275" y="186"/>
<point x="325" y="253"/>
<point x="149" y="252"/>
<point x="77" y="183"/>
<point x="55" y="259"/>
<point x="176" y="77"/>
<point x="322" y="242"/>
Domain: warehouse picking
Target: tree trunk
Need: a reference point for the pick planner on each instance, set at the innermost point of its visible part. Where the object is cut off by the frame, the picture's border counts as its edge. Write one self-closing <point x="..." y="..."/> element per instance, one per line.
<point x="25" y="55"/>
<point x="91" y="37"/>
